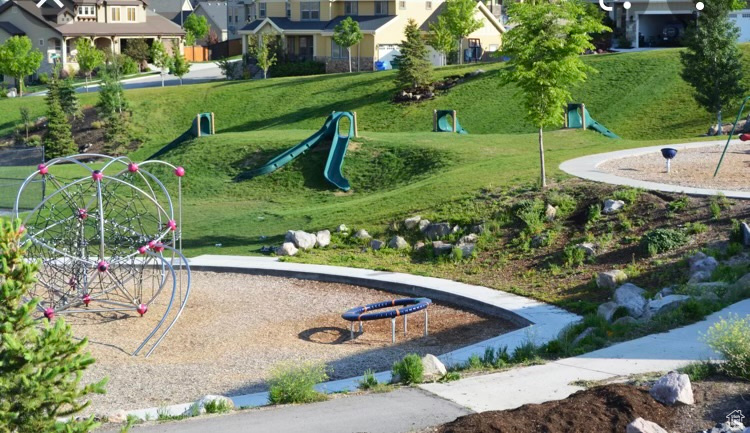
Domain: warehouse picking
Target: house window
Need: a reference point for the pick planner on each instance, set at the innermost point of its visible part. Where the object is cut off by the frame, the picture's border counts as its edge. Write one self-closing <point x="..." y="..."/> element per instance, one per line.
<point x="261" y="10"/>
<point x="338" y="52"/>
<point x="251" y="12"/>
<point x="381" y="8"/>
<point x="351" y="8"/>
<point x="428" y="5"/>
<point x="41" y="42"/>
<point x="309" y="11"/>
<point x="115" y="14"/>
<point x="86" y="11"/>
<point x="131" y="14"/>
<point x="402" y="5"/>
<point x="745" y="15"/>
<point x="288" y="10"/>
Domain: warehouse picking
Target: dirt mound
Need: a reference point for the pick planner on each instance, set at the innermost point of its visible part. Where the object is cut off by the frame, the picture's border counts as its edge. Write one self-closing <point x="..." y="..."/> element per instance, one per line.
<point x="607" y="408"/>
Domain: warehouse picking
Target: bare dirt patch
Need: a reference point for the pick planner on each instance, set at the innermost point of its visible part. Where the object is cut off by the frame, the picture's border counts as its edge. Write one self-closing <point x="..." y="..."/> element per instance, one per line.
<point x="691" y="167"/>
<point x="236" y="327"/>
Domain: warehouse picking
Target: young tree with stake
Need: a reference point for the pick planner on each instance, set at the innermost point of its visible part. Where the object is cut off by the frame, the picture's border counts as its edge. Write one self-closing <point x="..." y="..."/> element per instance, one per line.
<point x="545" y="50"/>
<point x="461" y="20"/>
<point x="262" y="49"/>
<point x="180" y="66"/>
<point x="346" y="34"/>
<point x="19" y="59"/>
<point x="89" y="58"/>
<point x="441" y="38"/>
<point x="161" y="58"/>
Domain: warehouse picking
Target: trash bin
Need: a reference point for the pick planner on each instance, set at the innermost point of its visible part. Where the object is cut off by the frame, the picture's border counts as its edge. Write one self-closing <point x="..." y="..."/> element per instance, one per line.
<point x="379" y="66"/>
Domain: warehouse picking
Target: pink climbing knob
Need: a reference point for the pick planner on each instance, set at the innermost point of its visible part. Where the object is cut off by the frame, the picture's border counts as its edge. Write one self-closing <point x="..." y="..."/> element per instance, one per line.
<point x="179" y="171"/>
<point x="97" y="175"/>
<point x="42" y="169"/>
<point x="159" y="248"/>
<point x="172" y="224"/>
<point x="86" y="299"/>
<point x="132" y="167"/>
<point x="142" y="249"/>
<point x="82" y="214"/>
<point x="103" y="266"/>
<point x="142" y="309"/>
<point x="21" y="229"/>
<point x="151" y="244"/>
<point x="49" y="313"/>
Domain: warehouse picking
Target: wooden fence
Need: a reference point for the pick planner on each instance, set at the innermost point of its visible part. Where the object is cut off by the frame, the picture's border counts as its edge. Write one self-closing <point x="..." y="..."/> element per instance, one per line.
<point x="196" y="53"/>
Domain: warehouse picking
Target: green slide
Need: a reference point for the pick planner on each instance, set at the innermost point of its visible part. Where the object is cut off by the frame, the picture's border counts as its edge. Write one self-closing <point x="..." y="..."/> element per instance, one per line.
<point x="339" y="144"/>
<point x="575" y="121"/>
<point x="445" y="122"/>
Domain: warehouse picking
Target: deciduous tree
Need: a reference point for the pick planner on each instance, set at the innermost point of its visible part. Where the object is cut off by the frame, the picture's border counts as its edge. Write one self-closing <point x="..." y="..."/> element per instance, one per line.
<point x="179" y="66"/>
<point x="196" y="27"/>
<point x="346" y="34"/>
<point x="460" y="17"/>
<point x="19" y="59"/>
<point x="161" y="58"/>
<point x="89" y="58"/>
<point x="138" y="50"/>
<point x="441" y="38"/>
<point x="262" y="49"/>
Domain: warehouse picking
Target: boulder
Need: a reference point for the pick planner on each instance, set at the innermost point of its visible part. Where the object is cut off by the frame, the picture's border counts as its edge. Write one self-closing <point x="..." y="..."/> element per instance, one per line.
<point x="437" y="231"/>
<point x="286" y="249"/>
<point x="398" y="243"/>
<point x="433" y="368"/>
<point x="728" y="427"/>
<point x="640" y="425"/>
<point x="466" y="249"/>
<point x="423" y="224"/>
<point x="441" y="248"/>
<point x="12" y="93"/>
<point x="674" y="388"/>
<point x="607" y="310"/>
<point x="666" y="303"/>
<point x="699" y="277"/>
<point x="709" y="297"/>
<point x="412" y="222"/>
<point x="710" y="286"/>
<point x="376" y="244"/>
<point x="477" y="228"/>
<point x="610" y="279"/>
<point x="323" y="238"/>
<point x="202" y="402"/>
<point x="745" y="229"/>
<point x="665" y="291"/>
<point x="362" y="234"/>
<point x="705" y="264"/>
<point x="588" y="248"/>
<point x="586" y="332"/>
<point x="418" y="246"/>
<point x="301" y="239"/>
<point x="627" y="320"/>
<point x="632" y="298"/>
<point x="742" y="283"/>
<point x="118" y="416"/>
<point x="550" y="213"/>
<point x="469" y="239"/>
<point x="342" y="228"/>
<point x="612" y="206"/>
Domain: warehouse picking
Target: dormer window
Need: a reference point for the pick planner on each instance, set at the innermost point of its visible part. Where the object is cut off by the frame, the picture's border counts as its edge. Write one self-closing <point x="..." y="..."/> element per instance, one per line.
<point x="86" y="11"/>
<point x="351" y="8"/>
<point x="381" y="8"/>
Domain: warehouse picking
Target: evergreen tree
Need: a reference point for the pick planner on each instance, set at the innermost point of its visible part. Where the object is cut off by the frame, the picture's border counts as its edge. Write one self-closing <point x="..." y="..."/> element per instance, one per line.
<point x="69" y="98"/>
<point x="59" y="140"/>
<point x="712" y="62"/>
<point x="414" y="69"/>
<point x="117" y="133"/>
<point x="40" y="366"/>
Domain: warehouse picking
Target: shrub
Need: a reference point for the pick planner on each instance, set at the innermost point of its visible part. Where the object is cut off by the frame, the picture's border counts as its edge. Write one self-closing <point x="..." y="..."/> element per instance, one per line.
<point x="565" y="203"/>
<point x="695" y="228"/>
<point x="715" y="209"/>
<point x="43" y="79"/>
<point x="678" y="205"/>
<point x="628" y="195"/>
<point x="296" y="69"/>
<point x="294" y="383"/>
<point x="217" y="406"/>
<point x="661" y="240"/>
<point x="730" y="339"/>
<point x="368" y="380"/>
<point x="573" y="256"/>
<point x="532" y="215"/>
<point x="699" y="370"/>
<point x="525" y="352"/>
<point x="97" y="124"/>
<point x="409" y="370"/>
<point x="595" y="213"/>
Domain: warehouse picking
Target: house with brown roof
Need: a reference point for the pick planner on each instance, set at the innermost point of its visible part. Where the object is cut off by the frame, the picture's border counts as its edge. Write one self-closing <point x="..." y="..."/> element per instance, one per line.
<point x="110" y="24"/>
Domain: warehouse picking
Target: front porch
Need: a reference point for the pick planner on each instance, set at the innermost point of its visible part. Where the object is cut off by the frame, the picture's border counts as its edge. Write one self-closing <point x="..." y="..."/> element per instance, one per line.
<point x="66" y="52"/>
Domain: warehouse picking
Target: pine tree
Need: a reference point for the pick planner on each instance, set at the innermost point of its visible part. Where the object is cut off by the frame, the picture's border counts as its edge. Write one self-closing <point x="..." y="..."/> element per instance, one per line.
<point x="59" y="140"/>
<point x="40" y="366"/>
<point x="414" y="69"/>
<point x="117" y="133"/>
<point x="712" y="62"/>
<point x="69" y="98"/>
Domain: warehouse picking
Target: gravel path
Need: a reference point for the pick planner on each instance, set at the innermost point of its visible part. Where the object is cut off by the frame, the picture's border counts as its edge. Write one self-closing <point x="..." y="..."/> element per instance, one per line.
<point x="236" y="327"/>
<point x="691" y="167"/>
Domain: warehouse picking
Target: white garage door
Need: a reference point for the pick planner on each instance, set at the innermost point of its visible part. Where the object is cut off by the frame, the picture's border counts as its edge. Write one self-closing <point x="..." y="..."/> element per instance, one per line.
<point x="742" y="20"/>
<point x="387" y="53"/>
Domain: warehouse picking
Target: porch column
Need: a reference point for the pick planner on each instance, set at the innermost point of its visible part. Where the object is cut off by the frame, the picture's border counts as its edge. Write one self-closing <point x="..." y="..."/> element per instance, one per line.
<point x="244" y="45"/>
<point x="64" y="60"/>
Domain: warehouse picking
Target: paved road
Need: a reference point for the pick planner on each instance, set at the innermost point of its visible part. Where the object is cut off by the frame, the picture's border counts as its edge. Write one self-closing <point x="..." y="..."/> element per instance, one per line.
<point x="401" y="411"/>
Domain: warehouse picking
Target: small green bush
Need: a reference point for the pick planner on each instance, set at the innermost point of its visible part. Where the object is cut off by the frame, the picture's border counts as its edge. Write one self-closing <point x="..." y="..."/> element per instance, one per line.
<point x="595" y="213"/>
<point x="730" y="339"/>
<point x="409" y="370"/>
<point x="533" y="217"/>
<point x="573" y="256"/>
<point x="217" y="406"/>
<point x="296" y="69"/>
<point x="628" y="195"/>
<point x="661" y="240"/>
<point x="368" y="380"/>
<point x="566" y="204"/>
<point x="450" y="377"/>
<point x="715" y="209"/>
<point x="678" y="205"/>
<point x="474" y="362"/>
<point x="695" y="228"/>
<point x="700" y="370"/>
<point x="525" y="352"/>
<point x="294" y="383"/>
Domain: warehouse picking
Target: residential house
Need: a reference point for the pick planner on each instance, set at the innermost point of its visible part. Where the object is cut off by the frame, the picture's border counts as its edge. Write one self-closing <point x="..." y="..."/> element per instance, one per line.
<point x="306" y="28"/>
<point x="110" y="24"/>
<point x="216" y="15"/>
<point x="236" y="18"/>
<point x="176" y="11"/>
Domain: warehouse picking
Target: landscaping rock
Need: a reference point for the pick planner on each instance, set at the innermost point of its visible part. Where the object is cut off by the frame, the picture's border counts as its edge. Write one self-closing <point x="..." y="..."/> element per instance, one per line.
<point x="672" y="389"/>
<point x="727" y="427"/>
<point x="301" y="239"/>
<point x="323" y="238"/>
<point x="705" y="264"/>
<point x="539" y="241"/>
<point x="612" y="206"/>
<point x="666" y="303"/>
<point x="631" y="297"/>
<point x="287" y="249"/>
<point x="665" y="291"/>
<point x="640" y="425"/>
<point x="588" y="248"/>
<point x="707" y="287"/>
<point x="398" y="243"/>
<point x="433" y="368"/>
<point x="709" y="297"/>
<point x="412" y="222"/>
<point x="423" y="224"/>
<point x="745" y="234"/>
<point x="362" y="234"/>
<point x="610" y="279"/>
<point x="441" y="248"/>
<point x="607" y="310"/>
<point x="201" y="403"/>
<point x="456" y="228"/>
<point x="469" y="239"/>
<point x="437" y="231"/>
<point x="118" y="416"/>
<point x="550" y="212"/>
<point x="478" y="229"/>
<point x="627" y="320"/>
<point x="586" y="332"/>
<point x="418" y="246"/>
<point x="699" y="277"/>
<point x="466" y="249"/>
<point x="342" y="228"/>
<point x="376" y="244"/>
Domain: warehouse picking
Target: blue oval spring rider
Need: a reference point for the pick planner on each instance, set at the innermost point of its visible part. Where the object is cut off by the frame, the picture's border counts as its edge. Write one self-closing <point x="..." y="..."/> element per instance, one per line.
<point x="412" y="305"/>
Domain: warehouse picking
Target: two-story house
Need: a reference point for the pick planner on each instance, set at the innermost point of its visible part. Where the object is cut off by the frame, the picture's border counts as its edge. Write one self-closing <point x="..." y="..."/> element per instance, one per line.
<point x="110" y="24"/>
<point x="306" y="28"/>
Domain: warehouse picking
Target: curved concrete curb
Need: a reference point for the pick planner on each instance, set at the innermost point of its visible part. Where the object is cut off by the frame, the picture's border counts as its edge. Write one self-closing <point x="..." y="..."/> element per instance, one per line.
<point x="587" y="167"/>
<point x="539" y="322"/>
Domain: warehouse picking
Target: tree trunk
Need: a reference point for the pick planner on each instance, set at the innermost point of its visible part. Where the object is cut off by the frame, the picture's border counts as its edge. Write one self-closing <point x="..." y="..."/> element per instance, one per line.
<point x="86" y="77"/>
<point x="460" y="57"/>
<point x="541" y="157"/>
<point x="720" y="129"/>
<point x="349" y="50"/>
<point x="20" y="87"/>
<point x="162" y="77"/>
